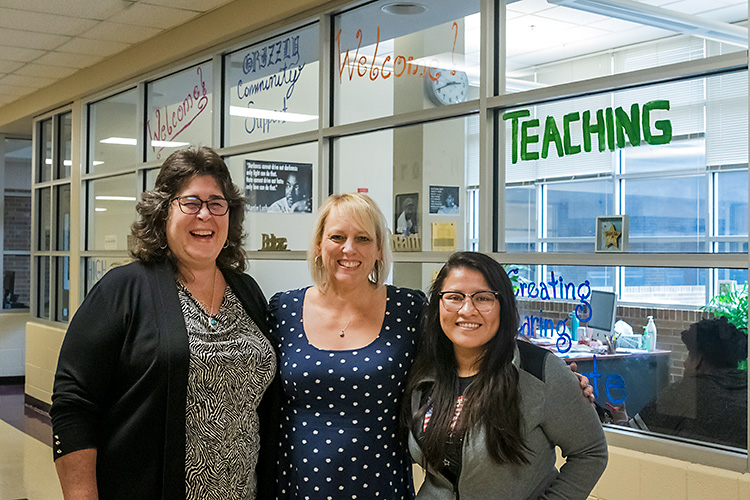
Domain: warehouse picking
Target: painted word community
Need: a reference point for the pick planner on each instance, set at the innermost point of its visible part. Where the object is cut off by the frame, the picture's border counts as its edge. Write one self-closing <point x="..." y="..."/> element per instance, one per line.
<point x="610" y="126"/>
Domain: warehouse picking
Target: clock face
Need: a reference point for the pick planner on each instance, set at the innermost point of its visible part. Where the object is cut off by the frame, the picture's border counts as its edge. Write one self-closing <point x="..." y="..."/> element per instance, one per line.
<point x="448" y="88"/>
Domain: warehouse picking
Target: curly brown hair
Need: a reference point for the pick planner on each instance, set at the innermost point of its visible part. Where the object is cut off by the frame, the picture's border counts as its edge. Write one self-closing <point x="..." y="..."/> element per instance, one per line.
<point x="177" y="171"/>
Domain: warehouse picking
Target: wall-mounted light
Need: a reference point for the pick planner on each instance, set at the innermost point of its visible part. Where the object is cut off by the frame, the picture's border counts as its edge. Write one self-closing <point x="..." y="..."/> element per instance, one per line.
<point x="99" y="209"/>
<point x="659" y="17"/>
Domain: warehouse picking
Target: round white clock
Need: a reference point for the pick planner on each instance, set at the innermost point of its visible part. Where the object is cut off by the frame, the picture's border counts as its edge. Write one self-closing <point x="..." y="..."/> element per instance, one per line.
<point x="449" y="88"/>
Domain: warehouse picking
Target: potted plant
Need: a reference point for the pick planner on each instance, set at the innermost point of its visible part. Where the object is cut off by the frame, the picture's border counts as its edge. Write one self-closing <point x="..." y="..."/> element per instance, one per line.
<point x="732" y="304"/>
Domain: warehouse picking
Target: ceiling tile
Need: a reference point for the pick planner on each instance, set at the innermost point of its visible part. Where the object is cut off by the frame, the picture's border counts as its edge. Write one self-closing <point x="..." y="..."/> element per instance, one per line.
<point x="45" y="71"/>
<point x="54" y="24"/>
<point x="9" y="66"/>
<point x="77" y="61"/>
<point x="14" y="90"/>
<point x="19" y="54"/>
<point x="27" y="39"/>
<point x="126" y="33"/>
<point x="153" y="16"/>
<point x="80" y="45"/>
<point x="27" y="81"/>
<point x="196" y="5"/>
<point x="87" y="9"/>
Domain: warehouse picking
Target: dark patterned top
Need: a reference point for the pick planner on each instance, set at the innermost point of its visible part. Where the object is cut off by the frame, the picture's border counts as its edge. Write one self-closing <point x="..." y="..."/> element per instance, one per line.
<point x="231" y="364"/>
<point x="340" y="418"/>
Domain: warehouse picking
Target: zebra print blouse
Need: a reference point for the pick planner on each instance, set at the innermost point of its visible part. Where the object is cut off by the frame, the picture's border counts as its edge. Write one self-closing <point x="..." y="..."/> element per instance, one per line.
<point x="231" y="364"/>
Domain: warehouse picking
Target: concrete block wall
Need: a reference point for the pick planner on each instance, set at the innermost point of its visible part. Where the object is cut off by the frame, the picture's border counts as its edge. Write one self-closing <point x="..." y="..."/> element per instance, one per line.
<point x="633" y="475"/>
<point x="12" y="344"/>
<point x="42" y="350"/>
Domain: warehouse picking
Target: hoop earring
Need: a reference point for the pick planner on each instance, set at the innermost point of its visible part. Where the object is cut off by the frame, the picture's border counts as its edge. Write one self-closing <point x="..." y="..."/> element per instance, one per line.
<point x="226" y="243"/>
<point x="318" y="261"/>
<point x="375" y="274"/>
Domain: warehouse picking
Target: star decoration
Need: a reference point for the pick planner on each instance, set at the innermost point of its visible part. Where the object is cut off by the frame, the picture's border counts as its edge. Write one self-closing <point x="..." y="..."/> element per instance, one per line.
<point x="613" y="235"/>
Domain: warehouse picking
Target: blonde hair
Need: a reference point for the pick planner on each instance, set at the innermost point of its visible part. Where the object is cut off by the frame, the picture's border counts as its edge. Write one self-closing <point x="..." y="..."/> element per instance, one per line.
<point x="362" y="210"/>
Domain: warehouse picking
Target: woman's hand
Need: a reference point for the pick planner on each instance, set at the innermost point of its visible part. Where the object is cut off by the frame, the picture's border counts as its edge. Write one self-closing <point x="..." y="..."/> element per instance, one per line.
<point x="586" y="388"/>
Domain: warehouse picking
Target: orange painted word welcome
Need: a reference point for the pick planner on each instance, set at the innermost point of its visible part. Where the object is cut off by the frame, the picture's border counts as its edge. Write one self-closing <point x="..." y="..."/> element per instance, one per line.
<point x="364" y="66"/>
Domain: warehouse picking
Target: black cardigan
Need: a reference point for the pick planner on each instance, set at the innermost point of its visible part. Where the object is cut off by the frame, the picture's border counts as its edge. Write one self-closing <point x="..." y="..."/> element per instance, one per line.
<point x="121" y="384"/>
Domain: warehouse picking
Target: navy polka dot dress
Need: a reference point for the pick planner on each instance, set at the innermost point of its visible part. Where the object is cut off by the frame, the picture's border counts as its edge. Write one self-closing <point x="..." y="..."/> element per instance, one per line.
<point x="340" y="419"/>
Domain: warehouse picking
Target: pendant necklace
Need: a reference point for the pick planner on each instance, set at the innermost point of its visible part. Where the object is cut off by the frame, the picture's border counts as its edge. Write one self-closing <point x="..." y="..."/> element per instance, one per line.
<point x="341" y="333"/>
<point x="210" y="307"/>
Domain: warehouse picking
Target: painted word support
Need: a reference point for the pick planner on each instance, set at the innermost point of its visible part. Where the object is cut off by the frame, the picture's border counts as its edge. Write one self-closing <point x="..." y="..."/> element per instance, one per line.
<point x="611" y="127"/>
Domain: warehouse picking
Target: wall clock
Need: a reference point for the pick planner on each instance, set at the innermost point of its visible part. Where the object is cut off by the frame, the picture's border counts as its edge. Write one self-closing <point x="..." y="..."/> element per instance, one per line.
<point x="448" y="88"/>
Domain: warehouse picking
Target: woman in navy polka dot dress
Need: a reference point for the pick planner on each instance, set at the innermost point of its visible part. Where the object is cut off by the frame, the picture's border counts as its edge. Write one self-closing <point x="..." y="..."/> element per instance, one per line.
<point x="346" y="346"/>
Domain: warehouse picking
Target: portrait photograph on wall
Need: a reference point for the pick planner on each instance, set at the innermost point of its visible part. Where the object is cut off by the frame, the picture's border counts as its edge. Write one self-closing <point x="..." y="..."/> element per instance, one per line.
<point x="277" y="187"/>
<point x="444" y="200"/>
<point x="406" y="222"/>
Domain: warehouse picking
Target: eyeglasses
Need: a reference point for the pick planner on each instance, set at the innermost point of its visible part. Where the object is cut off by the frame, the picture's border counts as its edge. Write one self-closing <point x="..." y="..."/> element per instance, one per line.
<point x="191" y="205"/>
<point x="483" y="301"/>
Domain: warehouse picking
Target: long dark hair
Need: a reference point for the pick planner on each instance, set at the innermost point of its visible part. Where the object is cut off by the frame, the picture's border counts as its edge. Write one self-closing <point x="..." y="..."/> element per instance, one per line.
<point x="492" y="400"/>
<point x="181" y="167"/>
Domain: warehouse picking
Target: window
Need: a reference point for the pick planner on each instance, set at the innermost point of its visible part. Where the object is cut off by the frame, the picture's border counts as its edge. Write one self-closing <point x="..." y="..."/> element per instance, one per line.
<point x="52" y="226"/>
<point x="16" y="231"/>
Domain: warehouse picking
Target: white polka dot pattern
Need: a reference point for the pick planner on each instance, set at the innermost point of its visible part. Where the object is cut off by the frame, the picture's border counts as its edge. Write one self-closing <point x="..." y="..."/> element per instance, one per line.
<point x="340" y="420"/>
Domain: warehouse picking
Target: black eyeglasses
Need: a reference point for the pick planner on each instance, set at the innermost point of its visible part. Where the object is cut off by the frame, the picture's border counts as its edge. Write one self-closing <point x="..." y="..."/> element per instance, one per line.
<point x="483" y="301"/>
<point x="191" y="205"/>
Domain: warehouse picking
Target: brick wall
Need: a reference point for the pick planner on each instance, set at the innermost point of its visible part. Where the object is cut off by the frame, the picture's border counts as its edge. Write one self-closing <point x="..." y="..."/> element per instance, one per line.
<point x="17" y="222"/>
<point x="17" y="231"/>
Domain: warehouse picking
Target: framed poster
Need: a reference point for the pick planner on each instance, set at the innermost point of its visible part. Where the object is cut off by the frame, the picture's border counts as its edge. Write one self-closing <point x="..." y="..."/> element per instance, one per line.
<point x="444" y="200"/>
<point x="278" y="187"/>
<point x="406" y="221"/>
<point x="612" y="233"/>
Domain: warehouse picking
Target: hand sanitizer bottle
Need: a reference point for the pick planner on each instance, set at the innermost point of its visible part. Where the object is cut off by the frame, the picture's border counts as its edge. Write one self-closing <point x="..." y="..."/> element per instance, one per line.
<point x="651" y="332"/>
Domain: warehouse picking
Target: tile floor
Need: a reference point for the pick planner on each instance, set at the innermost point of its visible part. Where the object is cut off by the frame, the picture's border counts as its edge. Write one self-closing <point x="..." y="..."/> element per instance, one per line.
<point x="27" y="471"/>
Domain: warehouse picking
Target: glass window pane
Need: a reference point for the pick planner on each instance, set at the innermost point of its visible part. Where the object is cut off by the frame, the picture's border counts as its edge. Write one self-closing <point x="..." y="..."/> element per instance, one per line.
<point x="410" y="172"/>
<point x="63" y="217"/>
<point x="680" y="155"/>
<point x="656" y="285"/>
<point x="66" y="128"/>
<point x="43" y="202"/>
<point x="388" y="61"/>
<point x="96" y="267"/>
<point x="179" y="111"/>
<point x="42" y="287"/>
<point x="62" y="293"/>
<point x="16" y="292"/>
<point x="113" y="132"/>
<point x="44" y="168"/>
<point x="111" y="211"/>
<point x="520" y="218"/>
<point x="272" y="87"/>
<point x="666" y="214"/>
<point x="549" y="44"/>
<point x="572" y="207"/>
<point x="731" y="200"/>
<point x="278" y="185"/>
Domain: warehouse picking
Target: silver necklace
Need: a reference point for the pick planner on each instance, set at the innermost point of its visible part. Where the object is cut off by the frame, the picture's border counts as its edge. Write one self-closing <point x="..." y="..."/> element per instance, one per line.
<point x="341" y="333"/>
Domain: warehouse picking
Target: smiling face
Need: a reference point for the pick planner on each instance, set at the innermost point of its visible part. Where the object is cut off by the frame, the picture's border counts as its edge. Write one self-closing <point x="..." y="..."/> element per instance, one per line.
<point x="348" y="252"/>
<point x="196" y="240"/>
<point x="468" y="329"/>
